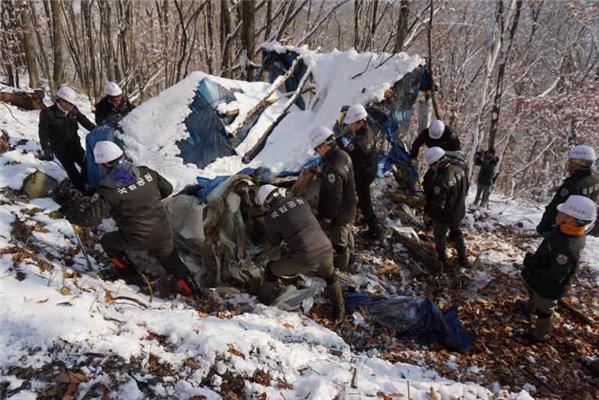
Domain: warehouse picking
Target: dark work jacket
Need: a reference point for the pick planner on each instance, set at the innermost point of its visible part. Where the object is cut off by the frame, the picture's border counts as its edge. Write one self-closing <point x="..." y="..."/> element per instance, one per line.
<point x="337" y="200"/>
<point x="487" y="172"/>
<point x="132" y="196"/>
<point x="582" y="183"/>
<point x="449" y="141"/>
<point x="445" y="190"/>
<point x="550" y="270"/>
<point x="361" y="148"/>
<point x="104" y="109"/>
<point x="58" y="131"/>
<point x="290" y="219"/>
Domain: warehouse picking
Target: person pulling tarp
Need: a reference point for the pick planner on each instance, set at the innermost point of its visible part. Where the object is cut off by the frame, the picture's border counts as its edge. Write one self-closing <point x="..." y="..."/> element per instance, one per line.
<point x="308" y="250"/>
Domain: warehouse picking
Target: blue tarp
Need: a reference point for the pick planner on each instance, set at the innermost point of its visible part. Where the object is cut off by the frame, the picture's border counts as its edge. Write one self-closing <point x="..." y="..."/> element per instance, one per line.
<point x="278" y="64"/>
<point x="207" y="136"/>
<point x="414" y="317"/>
<point x="106" y="131"/>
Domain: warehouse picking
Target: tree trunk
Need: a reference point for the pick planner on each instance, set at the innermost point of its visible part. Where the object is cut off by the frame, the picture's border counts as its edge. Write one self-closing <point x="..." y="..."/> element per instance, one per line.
<point x="247" y="36"/>
<point x="402" y="25"/>
<point x="505" y="53"/>
<point x="493" y="50"/>
<point x="225" y="39"/>
<point x="357" y="4"/>
<point x="29" y="47"/>
<point x="57" y="44"/>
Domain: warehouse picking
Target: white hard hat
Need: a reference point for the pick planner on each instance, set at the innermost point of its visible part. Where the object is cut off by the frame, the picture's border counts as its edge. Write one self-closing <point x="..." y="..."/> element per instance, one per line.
<point x="106" y="151"/>
<point x="435" y="131"/>
<point x="433" y="155"/>
<point x="112" y="89"/>
<point x="263" y="193"/>
<point x="355" y="113"/>
<point x="67" y="94"/>
<point x="582" y="152"/>
<point x="319" y="135"/>
<point x="579" y="207"/>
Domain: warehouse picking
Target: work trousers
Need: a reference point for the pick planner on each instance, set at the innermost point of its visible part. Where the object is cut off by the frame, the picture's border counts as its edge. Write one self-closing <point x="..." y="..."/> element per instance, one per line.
<point x="70" y="157"/>
<point x="342" y="239"/>
<point x="483" y="191"/>
<point x="440" y="234"/>
<point x="363" y="182"/>
<point x="115" y="245"/>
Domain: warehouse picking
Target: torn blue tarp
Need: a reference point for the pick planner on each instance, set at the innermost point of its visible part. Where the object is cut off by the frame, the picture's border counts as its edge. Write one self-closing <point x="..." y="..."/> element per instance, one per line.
<point x="415" y="317"/>
<point x="277" y="64"/>
<point x="207" y="139"/>
<point x="106" y="131"/>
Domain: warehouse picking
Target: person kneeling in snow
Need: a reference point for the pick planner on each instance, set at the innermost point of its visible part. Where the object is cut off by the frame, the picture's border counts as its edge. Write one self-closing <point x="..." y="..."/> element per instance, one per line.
<point x="289" y="219"/>
<point x="132" y="196"/>
<point x="548" y="272"/>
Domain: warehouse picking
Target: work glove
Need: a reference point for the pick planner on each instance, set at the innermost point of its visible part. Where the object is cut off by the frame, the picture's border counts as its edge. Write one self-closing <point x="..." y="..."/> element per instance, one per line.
<point x="46" y="155"/>
<point x="325" y="223"/>
<point x="529" y="260"/>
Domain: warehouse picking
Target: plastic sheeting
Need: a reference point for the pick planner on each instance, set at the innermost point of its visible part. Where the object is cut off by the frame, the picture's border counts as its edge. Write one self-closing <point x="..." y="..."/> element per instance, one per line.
<point x="415" y="317"/>
<point x="106" y="131"/>
<point x="207" y="139"/>
<point x="394" y="117"/>
<point x="278" y="64"/>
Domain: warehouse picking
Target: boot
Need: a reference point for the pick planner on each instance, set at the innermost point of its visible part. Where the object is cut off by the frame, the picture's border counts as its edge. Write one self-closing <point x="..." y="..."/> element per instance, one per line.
<point x="120" y="268"/>
<point x="268" y="292"/>
<point x="334" y="292"/>
<point x="464" y="262"/>
<point x="540" y="333"/>
<point x="188" y="286"/>
<point x="524" y="307"/>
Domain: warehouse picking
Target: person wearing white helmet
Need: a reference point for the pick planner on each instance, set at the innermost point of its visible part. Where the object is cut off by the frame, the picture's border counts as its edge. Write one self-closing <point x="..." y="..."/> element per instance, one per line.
<point x="360" y="143"/>
<point x="58" y="126"/>
<point x="114" y="103"/>
<point x="445" y="187"/>
<point x="289" y="219"/>
<point x="132" y="196"/>
<point x="581" y="181"/>
<point x="548" y="272"/>
<point x="337" y="199"/>
<point x="436" y="135"/>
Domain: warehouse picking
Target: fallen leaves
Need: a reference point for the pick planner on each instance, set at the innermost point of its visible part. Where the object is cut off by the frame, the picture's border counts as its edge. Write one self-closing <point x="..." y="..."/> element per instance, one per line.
<point x="71" y="377"/>
<point x="233" y="350"/>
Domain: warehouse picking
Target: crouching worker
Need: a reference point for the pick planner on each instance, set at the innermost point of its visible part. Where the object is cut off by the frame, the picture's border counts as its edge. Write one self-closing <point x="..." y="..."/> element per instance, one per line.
<point x="309" y="251"/>
<point x="548" y="272"/>
<point x="132" y="196"/>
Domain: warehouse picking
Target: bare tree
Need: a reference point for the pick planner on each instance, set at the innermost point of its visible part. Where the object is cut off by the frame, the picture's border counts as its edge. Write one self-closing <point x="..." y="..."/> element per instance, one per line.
<point x="402" y="25"/>
<point x="57" y="44"/>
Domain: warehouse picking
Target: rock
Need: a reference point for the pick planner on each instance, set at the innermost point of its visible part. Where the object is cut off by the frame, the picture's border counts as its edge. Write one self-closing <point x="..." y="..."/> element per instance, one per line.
<point x="4" y="142"/>
<point x="38" y="184"/>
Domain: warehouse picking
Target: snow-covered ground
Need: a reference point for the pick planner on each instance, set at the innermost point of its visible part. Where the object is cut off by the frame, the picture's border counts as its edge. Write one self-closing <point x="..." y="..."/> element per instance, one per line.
<point x="61" y="318"/>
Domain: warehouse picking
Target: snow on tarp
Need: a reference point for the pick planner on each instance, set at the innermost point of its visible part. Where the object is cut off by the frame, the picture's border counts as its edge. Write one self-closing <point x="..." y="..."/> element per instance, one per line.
<point x="162" y="139"/>
<point x="153" y="136"/>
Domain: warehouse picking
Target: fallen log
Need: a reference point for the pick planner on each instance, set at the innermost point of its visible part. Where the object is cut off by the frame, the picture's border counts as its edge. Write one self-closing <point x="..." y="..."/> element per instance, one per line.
<point x="26" y="100"/>
<point x="421" y="251"/>
<point x="578" y="313"/>
<point x="405" y="198"/>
